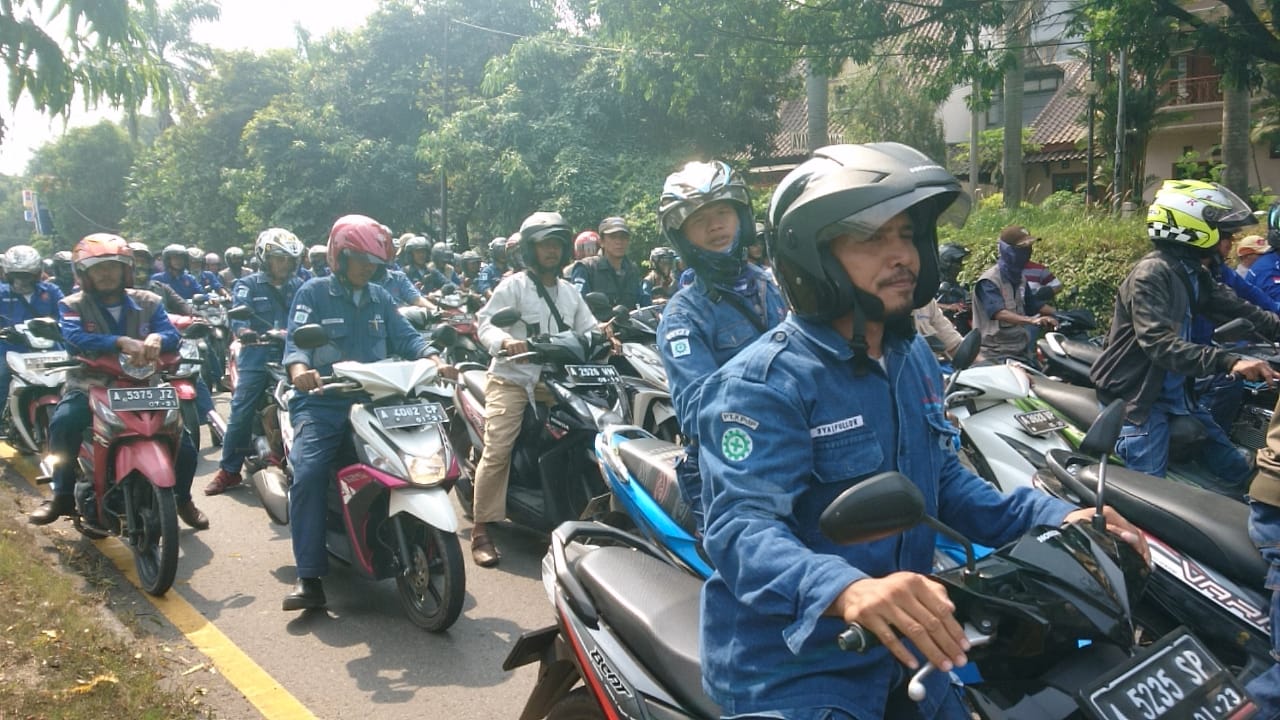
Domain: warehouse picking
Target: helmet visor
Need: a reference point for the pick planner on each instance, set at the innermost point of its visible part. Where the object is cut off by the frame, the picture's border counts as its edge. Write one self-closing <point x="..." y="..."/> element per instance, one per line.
<point x="674" y="218"/>
<point x="864" y="223"/>
<point x="1236" y="214"/>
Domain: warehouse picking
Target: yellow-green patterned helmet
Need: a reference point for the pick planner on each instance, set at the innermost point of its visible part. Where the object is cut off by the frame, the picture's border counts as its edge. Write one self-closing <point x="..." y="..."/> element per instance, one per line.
<point x="1192" y="212"/>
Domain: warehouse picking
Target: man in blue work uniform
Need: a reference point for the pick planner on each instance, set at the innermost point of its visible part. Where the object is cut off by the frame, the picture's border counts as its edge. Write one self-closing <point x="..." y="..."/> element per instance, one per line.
<point x="107" y="316"/>
<point x="841" y="390"/>
<point x="176" y="261"/>
<point x="23" y="296"/>
<point x="705" y="214"/>
<point x="401" y="288"/>
<point x="269" y="293"/>
<point x="363" y="326"/>
<point x="492" y="272"/>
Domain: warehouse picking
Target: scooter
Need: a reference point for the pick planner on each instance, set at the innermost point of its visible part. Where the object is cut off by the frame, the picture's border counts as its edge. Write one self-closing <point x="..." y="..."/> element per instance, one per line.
<point x="457" y="310"/>
<point x="1207" y="573"/>
<point x="389" y="511"/>
<point x="1049" y="619"/>
<point x="553" y="467"/>
<point x="644" y="375"/>
<point x="126" y="466"/>
<point x="34" y="389"/>
<point x="195" y="333"/>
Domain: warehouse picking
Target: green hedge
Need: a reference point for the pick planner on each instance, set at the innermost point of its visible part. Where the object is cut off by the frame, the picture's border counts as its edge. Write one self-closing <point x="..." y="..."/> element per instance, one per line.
<point x="1089" y="251"/>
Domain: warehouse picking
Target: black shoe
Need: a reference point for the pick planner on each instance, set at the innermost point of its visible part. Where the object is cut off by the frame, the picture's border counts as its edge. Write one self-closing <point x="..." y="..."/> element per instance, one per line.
<point x="51" y="510"/>
<point x="308" y="594"/>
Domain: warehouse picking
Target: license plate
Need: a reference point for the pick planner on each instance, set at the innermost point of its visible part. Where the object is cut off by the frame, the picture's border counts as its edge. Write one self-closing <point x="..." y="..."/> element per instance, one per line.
<point x="416" y="415"/>
<point x="150" y="398"/>
<point x="1175" y="678"/>
<point x="1039" y="422"/>
<point x="40" y="361"/>
<point x="592" y="374"/>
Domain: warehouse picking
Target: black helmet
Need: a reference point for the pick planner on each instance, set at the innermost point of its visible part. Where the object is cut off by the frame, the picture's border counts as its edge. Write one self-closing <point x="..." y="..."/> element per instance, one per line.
<point x="498" y="249"/>
<point x="690" y="188"/>
<point x="62" y="266"/>
<point x="950" y="257"/>
<point x="542" y="225"/>
<point x="855" y="188"/>
<point x="441" y="255"/>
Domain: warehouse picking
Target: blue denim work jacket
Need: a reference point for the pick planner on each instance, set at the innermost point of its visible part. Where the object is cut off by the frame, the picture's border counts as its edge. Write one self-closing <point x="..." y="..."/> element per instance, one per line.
<point x="401" y="288"/>
<point x="368" y="333"/>
<point x="270" y="306"/>
<point x="184" y="284"/>
<point x="699" y="333"/>
<point x="15" y="308"/>
<point x="786" y="426"/>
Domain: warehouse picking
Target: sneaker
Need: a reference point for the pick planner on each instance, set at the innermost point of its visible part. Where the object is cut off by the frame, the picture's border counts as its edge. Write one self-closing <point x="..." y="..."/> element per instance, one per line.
<point x="222" y="482"/>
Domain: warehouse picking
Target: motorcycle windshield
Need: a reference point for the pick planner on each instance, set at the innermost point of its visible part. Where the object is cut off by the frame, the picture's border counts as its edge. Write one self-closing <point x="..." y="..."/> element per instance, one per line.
<point x="388" y="377"/>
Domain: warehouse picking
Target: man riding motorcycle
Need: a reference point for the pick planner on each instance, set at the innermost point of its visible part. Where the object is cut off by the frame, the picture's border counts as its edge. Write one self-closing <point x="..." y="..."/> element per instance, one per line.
<point x="269" y="293"/>
<point x="363" y="326"/>
<point x="23" y="296"/>
<point x="108" y="316"/>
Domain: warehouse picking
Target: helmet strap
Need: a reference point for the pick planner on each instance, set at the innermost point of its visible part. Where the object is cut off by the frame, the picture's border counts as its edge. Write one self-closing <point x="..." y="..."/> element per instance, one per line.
<point x="858" y="342"/>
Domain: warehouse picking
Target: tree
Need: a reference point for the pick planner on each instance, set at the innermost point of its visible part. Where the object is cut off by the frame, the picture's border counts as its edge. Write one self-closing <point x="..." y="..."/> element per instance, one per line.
<point x="81" y="178"/>
<point x="103" y="54"/>
<point x="883" y="101"/>
<point x="168" y="37"/>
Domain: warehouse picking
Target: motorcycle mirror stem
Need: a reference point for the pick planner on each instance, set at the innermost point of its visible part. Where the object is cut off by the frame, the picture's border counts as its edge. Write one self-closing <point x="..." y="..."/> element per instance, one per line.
<point x="966" y="353"/>
<point x="1100" y="441"/>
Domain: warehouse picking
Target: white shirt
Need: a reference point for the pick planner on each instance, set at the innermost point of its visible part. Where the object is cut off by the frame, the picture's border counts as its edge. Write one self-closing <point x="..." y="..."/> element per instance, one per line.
<point x="519" y="291"/>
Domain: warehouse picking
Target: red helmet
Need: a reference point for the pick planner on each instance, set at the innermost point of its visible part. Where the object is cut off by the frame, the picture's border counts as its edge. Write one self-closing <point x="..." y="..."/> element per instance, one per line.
<point x="99" y="248"/>
<point x="361" y="234"/>
<point x="586" y="244"/>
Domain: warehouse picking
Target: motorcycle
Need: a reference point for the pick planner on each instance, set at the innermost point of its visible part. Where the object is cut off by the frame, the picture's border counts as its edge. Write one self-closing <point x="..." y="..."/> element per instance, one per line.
<point x="34" y="389"/>
<point x="210" y="309"/>
<point x="126" y="467"/>
<point x="1207" y="573"/>
<point x="390" y="514"/>
<point x="1049" y="619"/>
<point x="644" y="375"/>
<point x="194" y="333"/>
<point x="456" y="309"/>
<point x="553" y="468"/>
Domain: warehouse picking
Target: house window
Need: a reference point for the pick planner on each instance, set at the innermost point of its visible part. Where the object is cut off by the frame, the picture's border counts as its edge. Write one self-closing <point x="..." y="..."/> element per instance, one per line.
<point x="1072" y="182"/>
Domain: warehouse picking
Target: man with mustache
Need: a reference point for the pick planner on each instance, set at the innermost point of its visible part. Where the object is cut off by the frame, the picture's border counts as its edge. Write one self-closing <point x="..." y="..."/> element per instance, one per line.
<point x="841" y="390"/>
<point x="1004" y="306"/>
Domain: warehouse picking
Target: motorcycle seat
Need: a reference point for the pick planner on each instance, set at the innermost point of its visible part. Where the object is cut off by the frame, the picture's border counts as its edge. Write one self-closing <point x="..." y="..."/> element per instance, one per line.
<point x="1204" y="525"/>
<point x="653" y="606"/>
<point x="1078" y="405"/>
<point x="476" y="380"/>
<point x="651" y="462"/>
<point x="1085" y="352"/>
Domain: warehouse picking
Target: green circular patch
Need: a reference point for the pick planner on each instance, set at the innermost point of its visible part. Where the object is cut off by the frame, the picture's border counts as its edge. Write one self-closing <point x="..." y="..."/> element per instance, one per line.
<point x="735" y="444"/>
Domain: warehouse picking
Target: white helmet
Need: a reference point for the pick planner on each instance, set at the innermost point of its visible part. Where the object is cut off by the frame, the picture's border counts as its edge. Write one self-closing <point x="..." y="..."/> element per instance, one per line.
<point x="277" y="241"/>
<point x="22" y="259"/>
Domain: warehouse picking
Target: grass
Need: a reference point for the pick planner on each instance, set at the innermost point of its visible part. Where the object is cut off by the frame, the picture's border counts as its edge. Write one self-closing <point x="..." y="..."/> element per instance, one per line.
<point x="61" y="657"/>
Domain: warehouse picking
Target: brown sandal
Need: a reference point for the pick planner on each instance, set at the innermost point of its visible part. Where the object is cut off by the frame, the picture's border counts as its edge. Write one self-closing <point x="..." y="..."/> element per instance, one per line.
<point x="484" y="552"/>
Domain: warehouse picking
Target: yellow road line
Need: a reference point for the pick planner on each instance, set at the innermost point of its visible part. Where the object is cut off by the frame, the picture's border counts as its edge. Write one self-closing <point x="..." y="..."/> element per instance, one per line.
<point x="267" y="695"/>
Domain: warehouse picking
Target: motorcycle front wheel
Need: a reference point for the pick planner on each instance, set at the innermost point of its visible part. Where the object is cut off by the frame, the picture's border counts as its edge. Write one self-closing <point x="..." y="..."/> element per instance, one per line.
<point x="434" y="583"/>
<point x="153" y="534"/>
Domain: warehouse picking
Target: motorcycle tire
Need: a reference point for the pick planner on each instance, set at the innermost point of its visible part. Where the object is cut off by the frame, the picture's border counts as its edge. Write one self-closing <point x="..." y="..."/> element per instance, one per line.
<point x="154" y="541"/>
<point x="434" y="585"/>
<point x="191" y="422"/>
<point x="577" y="705"/>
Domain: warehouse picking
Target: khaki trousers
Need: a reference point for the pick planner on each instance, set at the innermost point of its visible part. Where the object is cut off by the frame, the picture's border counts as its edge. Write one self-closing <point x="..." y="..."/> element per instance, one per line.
<point x="504" y="404"/>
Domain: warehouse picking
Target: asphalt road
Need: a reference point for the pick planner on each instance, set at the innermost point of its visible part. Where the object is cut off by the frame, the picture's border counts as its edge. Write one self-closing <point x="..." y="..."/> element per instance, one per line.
<point x="363" y="658"/>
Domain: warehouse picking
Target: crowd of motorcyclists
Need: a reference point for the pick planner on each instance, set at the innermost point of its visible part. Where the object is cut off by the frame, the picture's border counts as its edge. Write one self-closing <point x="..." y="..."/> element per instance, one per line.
<point x="797" y="358"/>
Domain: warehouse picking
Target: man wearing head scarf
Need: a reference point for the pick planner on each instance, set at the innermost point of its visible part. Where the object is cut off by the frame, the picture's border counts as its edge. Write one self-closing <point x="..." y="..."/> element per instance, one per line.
<point x="1004" y="306"/>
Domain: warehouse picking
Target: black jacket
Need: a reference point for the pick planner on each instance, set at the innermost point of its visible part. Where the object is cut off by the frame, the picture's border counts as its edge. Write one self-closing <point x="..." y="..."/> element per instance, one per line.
<point x="1146" y="341"/>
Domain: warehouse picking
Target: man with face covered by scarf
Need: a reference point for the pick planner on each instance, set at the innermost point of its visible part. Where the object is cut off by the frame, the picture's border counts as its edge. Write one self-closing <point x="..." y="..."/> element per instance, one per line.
<point x="1003" y="306"/>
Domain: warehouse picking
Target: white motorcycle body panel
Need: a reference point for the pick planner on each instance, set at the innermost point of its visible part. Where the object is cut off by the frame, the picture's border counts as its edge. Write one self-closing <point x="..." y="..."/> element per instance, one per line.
<point x="997" y="382"/>
<point x="430" y="505"/>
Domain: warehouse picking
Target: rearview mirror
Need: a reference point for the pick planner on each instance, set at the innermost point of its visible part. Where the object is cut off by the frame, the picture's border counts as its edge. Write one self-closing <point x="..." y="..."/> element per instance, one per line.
<point x="196" y="330"/>
<point x="1102" y="435"/>
<point x="418" y="317"/>
<point x="598" y="303"/>
<point x="448" y="289"/>
<point x="876" y="508"/>
<point x="968" y="350"/>
<point x="1233" y="331"/>
<point x="505" y="318"/>
<point x="240" y="312"/>
<point x="310" y="337"/>
<point x="444" y="335"/>
<point x="621" y="314"/>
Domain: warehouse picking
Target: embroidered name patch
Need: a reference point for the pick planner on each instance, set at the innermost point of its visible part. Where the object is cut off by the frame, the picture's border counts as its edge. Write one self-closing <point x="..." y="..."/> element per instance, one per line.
<point x="678" y="333"/>
<point x="838" y="426"/>
<point x="739" y="418"/>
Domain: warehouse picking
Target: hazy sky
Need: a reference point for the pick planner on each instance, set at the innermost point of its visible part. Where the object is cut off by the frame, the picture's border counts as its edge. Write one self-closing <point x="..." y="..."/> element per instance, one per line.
<point x="253" y="24"/>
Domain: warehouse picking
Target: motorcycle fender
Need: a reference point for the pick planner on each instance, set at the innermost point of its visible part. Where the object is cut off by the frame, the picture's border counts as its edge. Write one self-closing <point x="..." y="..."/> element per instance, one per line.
<point x="430" y="505"/>
<point x="150" y="457"/>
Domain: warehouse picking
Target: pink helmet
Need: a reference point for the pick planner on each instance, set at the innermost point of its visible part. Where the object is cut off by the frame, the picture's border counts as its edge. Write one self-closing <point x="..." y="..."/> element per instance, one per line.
<point x="586" y="244"/>
<point x="358" y="233"/>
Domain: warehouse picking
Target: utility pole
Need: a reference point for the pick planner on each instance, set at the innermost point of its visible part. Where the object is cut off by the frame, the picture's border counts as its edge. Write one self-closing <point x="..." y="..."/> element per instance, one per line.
<point x="1093" y="99"/>
<point x="1118" y="179"/>
<point x="444" y="178"/>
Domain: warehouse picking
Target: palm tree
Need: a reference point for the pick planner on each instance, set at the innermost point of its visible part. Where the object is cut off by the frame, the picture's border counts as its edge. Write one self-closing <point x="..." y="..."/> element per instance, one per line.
<point x="168" y="35"/>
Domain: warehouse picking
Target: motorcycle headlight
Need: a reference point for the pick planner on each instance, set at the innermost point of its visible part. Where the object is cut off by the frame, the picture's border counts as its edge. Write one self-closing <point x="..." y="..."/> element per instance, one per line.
<point x="427" y="471"/>
<point x="137" y="372"/>
<point x="108" y="416"/>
